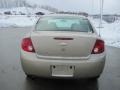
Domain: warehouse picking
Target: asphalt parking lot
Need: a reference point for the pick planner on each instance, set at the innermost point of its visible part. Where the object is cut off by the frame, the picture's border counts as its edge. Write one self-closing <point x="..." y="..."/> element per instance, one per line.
<point x="13" y="78"/>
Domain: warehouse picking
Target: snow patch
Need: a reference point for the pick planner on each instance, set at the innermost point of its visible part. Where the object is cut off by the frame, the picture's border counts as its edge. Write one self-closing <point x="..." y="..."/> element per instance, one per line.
<point x="110" y="32"/>
<point x="17" y="21"/>
<point x="24" y="10"/>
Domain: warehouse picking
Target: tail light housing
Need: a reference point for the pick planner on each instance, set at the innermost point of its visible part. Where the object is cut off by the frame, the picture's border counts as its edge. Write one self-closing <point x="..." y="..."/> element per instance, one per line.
<point x="27" y="45"/>
<point x="98" y="47"/>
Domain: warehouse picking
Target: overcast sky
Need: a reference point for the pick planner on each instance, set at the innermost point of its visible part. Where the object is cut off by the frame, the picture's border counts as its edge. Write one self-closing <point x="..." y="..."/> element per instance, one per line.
<point x="90" y="6"/>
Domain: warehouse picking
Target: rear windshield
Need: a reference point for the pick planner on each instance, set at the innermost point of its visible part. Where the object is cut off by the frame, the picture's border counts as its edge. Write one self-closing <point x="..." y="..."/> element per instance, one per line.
<point x="63" y="24"/>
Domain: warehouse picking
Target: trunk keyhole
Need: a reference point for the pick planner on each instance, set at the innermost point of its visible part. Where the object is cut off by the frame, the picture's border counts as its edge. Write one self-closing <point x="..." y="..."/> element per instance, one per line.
<point x="54" y="67"/>
<point x="70" y="67"/>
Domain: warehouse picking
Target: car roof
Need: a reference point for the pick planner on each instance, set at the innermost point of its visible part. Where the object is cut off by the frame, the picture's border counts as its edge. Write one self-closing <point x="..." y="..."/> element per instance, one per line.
<point x="65" y="15"/>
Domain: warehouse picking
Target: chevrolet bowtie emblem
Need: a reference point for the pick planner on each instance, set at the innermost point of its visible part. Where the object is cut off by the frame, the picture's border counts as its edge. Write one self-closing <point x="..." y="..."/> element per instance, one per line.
<point x="63" y="44"/>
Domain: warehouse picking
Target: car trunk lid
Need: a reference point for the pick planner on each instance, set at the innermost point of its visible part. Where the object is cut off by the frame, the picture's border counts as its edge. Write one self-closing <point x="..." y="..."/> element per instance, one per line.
<point x="60" y="44"/>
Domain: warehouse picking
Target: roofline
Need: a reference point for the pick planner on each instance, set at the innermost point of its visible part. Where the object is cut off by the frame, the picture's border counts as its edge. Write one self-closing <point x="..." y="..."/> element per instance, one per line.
<point x="74" y="15"/>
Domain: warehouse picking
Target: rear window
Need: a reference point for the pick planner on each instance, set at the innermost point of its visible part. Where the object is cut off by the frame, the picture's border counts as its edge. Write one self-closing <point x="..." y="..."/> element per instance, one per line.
<point x="63" y="24"/>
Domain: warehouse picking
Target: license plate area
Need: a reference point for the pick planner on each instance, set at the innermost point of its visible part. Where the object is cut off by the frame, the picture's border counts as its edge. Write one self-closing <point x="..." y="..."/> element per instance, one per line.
<point x="62" y="70"/>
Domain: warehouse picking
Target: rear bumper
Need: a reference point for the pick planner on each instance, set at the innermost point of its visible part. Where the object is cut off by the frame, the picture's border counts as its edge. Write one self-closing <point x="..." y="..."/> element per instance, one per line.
<point x="83" y="68"/>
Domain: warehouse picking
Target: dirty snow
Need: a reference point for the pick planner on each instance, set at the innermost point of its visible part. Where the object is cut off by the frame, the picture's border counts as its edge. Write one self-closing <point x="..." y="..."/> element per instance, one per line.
<point x="24" y="10"/>
<point x="17" y="21"/>
<point x="110" y="32"/>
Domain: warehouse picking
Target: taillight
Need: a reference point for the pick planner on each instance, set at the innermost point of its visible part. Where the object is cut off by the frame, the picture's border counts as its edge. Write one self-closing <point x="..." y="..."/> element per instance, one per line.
<point x="98" y="47"/>
<point x="27" y="45"/>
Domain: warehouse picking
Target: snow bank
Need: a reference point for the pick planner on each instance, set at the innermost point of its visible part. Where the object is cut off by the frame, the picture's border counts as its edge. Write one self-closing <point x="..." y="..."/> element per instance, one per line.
<point x="110" y="32"/>
<point x="27" y="18"/>
<point x="24" y="10"/>
<point x="17" y="21"/>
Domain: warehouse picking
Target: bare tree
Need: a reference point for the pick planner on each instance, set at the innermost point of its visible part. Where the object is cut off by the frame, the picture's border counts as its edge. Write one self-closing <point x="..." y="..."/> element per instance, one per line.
<point x="13" y="3"/>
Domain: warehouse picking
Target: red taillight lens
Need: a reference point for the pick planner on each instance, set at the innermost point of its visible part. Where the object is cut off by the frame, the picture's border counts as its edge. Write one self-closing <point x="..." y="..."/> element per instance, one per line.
<point x="27" y="45"/>
<point x="98" y="47"/>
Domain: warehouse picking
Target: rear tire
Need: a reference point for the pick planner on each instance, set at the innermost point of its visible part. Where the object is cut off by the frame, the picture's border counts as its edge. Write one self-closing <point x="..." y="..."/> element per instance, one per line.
<point x="30" y="77"/>
<point x="95" y="78"/>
